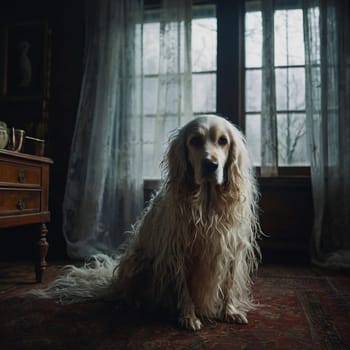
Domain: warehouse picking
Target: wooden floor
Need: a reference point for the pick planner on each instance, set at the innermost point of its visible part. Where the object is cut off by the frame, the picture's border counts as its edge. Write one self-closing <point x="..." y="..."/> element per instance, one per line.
<point x="19" y="273"/>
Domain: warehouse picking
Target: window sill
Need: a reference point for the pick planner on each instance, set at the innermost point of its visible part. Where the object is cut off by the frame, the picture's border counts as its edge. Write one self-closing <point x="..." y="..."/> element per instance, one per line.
<point x="284" y="182"/>
<point x="150" y="184"/>
<point x="288" y="177"/>
<point x="289" y="172"/>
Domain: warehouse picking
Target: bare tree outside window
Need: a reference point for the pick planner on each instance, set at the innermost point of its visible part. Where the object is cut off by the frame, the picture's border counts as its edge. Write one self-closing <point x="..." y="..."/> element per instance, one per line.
<point x="290" y="85"/>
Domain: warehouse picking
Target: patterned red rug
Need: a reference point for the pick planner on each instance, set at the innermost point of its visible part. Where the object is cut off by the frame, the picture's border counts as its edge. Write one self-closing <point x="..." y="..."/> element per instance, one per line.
<point x="296" y="311"/>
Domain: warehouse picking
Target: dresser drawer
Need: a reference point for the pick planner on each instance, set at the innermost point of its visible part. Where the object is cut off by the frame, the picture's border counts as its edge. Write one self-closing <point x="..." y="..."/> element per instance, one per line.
<point x="14" y="202"/>
<point x="18" y="174"/>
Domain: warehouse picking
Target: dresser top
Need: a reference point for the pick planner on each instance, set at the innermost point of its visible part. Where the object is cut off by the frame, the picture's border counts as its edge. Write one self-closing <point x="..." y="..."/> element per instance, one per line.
<point x="4" y="153"/>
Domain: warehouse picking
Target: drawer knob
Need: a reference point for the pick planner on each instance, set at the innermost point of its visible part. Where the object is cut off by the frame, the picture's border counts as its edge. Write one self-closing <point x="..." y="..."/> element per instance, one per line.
<point x="21" y="176"/>
<point x="20" y="204"/>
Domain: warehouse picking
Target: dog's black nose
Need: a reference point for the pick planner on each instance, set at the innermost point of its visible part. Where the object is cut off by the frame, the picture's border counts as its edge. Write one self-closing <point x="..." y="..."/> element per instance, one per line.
<point x="208" y="167"/>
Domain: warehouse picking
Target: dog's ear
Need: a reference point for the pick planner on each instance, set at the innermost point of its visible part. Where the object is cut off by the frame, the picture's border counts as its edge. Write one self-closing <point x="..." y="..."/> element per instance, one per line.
<point x="230" y="170"/>
<point x="236" y="165"/>
<point x="175" y="163"/>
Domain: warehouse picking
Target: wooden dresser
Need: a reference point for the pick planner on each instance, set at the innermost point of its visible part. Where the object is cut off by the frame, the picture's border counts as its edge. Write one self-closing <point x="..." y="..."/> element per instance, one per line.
<point x="24" y="193"/>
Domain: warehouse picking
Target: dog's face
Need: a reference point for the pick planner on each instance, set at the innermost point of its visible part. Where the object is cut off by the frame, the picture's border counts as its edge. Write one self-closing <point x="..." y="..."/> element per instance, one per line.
<point x="208" y="143"/>
<point x="209" y="149"/>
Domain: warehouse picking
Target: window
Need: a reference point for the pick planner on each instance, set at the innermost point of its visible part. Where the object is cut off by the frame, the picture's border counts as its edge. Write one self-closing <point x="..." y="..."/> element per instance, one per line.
<point x="289" y="67"/>
<point x="204" y="42"/>
<point x="216" y="87"/>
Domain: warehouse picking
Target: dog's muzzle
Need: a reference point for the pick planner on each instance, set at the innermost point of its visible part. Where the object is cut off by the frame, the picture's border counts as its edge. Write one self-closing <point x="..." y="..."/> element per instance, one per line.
<point x="209" y="168"/>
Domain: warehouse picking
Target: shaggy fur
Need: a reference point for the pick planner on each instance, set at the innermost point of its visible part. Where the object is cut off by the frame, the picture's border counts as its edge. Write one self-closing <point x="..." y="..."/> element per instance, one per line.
<point x="194" y="250"/>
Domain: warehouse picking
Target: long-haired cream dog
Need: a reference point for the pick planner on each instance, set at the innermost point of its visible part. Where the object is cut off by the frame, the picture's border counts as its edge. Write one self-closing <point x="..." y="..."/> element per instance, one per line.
<point x="194" y="249"/>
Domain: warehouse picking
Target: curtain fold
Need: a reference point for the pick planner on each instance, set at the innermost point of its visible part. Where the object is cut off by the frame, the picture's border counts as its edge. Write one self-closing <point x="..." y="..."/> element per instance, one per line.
<point x="326" y="32"/>
<point x="174" y="100"/>
<point x="269" y="142"/>
<point x="104" y="190"/>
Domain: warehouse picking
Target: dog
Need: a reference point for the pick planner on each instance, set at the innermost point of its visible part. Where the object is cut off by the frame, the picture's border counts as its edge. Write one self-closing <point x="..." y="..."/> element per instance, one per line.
<point x="194" y="250"/>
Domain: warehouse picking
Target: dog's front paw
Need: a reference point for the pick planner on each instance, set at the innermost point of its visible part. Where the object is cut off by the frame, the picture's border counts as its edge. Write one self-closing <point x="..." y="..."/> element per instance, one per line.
<point x="190" y="322"/>
<point x="232" y="315"/>
<point x="238" y="317"/>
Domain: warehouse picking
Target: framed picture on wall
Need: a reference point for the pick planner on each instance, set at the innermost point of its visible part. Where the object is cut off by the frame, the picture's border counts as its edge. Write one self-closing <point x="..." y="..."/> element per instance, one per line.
<point x="26" y="60"/>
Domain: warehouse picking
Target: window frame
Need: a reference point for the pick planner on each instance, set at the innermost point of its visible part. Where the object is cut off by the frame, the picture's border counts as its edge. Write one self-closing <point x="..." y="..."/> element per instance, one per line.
<point x="287" y="5"/>
<point x="283" y="171"/>
<point x="230" y="73"/>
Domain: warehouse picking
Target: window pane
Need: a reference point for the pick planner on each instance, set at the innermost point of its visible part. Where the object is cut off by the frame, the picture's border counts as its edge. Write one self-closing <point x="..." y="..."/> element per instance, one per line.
<point x="315" y="77"/>
<point x="151" y="164"/>
<point x="253" y="39"/>
<point x="204" y="43"/>
<point x="290" y="88"/>
<point x="150" y="91"/>
<point x="168" y="101"/>
<point x="253" y="90"/>
<point x="289" y="41"/>
<point x="150" y="48"/>
<point x="292" y="146"/>
<point x="149" y="172"/>
<point x="313" y="14"/>
<point x="292" y="143"/>
<point x="204" y="92"/>
<point x="253" y="130"/>
<point x="148" y="129"/>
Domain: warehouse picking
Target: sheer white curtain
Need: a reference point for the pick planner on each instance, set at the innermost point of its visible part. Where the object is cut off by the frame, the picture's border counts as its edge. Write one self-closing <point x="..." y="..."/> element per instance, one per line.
<point x="174" y="99"/>
<point x="104" y="191"/>
<point x="327" y="38"/>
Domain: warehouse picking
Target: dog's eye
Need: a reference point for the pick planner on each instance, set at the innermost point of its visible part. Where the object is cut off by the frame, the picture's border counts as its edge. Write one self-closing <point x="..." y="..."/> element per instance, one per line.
<point x="222" y="141"/>
<point x="196" y="141"/>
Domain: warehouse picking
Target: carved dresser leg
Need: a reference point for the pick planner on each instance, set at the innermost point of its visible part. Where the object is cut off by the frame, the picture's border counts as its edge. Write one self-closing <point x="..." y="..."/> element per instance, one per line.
<point x="43" y="247"/>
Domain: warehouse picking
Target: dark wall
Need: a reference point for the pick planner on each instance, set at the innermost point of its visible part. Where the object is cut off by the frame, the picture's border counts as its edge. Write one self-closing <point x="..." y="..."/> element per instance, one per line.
<point x="286" y="214"/>
<point x="66" y="24"/>
<point x="67" y="67"/>
<point x="286" y="204"/>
